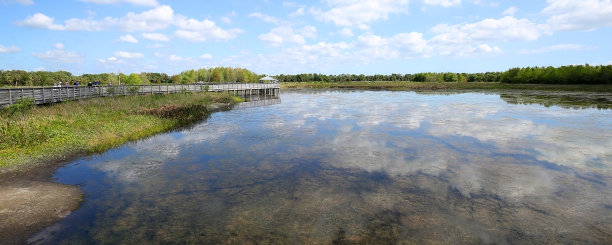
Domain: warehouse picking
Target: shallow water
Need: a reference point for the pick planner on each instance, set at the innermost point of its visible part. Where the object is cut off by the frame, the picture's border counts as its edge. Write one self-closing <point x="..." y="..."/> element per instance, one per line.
<point x="355" y="167"/>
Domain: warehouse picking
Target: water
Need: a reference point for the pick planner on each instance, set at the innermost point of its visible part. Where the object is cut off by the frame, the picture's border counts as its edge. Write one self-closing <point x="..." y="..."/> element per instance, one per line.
<point x="355" y="167"/>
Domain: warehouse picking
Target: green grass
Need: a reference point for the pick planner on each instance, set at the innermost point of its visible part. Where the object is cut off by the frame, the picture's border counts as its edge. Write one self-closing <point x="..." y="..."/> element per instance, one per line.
<point x="446" y="86"/>
<point x="39" y="134"/>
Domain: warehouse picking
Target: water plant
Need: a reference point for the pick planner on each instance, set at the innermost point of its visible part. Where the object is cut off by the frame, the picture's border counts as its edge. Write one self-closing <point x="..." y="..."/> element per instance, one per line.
<point x="34" y="134"/>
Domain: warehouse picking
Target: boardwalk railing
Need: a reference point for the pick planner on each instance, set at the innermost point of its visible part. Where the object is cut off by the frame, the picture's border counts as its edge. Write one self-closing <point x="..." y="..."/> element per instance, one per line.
<point x="45" y="95"/>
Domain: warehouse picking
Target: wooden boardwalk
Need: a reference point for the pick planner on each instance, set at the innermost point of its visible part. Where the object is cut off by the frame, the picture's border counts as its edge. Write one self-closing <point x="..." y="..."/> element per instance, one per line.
<point x="46" y="95"/>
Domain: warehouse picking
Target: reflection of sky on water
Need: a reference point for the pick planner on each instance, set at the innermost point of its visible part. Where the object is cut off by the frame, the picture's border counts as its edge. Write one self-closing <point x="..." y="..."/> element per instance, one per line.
<point x="328" y="159"/>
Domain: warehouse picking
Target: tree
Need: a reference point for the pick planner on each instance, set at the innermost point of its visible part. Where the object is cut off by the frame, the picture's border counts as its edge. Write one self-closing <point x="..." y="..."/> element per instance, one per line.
<point x="132" y="79"/>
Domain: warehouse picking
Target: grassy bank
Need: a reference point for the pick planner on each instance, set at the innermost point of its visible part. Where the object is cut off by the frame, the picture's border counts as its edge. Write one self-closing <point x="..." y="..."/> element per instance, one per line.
<point x="37" y="134"/>
<point x="446" y="86"/>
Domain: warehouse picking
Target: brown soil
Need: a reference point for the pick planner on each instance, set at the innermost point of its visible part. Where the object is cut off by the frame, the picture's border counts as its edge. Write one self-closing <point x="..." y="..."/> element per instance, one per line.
<point x="27" y="206"/>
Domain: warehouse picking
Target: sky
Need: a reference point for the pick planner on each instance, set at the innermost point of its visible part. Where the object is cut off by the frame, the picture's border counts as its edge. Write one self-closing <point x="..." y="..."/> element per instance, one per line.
<point x="289" y="37"/>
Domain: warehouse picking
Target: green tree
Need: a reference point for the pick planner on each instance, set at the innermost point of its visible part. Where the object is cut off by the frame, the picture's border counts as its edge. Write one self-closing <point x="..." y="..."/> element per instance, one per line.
<point x="132" y="79"/>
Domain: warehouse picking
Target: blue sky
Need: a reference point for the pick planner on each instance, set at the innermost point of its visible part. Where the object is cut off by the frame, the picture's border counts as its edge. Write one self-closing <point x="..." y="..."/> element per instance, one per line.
<point x="326" y="36"/>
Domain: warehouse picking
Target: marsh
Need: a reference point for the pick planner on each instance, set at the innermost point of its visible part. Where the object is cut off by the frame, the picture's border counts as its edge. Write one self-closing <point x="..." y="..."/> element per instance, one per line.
<point x="344" y="166"/>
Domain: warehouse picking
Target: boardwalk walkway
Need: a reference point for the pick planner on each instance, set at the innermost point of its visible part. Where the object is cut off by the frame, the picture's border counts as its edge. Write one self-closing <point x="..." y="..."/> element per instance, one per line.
<point x="45" y="95"/>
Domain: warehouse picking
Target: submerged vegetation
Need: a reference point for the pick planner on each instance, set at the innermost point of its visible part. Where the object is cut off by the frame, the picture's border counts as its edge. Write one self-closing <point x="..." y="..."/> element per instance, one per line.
<point x="33" y="134"/>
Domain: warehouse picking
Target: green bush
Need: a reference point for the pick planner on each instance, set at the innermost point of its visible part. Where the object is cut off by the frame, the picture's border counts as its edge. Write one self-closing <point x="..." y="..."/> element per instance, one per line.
<point x="133" y="90"/>
<point x="110" y="90"/>
<point x="21" y="105"/>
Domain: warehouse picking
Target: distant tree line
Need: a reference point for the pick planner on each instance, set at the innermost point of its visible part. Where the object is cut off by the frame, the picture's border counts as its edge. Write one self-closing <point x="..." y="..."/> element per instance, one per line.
<point x="216" y="75"/>
<point x="576" y="74"/>
<point x="418" y="77"/>
<point x="573" y="74"/>
<point x="46" y="78"/>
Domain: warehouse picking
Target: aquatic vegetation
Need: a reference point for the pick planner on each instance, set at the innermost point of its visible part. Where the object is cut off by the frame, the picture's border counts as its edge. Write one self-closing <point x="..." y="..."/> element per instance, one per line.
<point x="38" y="134"/>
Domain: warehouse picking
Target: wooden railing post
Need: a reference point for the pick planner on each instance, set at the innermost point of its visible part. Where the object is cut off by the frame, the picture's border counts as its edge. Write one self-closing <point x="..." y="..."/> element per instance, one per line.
<point x="10" y="97"/>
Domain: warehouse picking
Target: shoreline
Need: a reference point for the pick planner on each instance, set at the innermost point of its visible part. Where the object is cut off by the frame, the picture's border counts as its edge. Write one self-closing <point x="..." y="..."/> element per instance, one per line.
<point x="424" y="86"/>
<point x="31" y="200"/>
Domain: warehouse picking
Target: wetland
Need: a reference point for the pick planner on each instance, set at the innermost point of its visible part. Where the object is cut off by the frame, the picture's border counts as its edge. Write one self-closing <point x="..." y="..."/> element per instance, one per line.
<point x="354" y="167"/>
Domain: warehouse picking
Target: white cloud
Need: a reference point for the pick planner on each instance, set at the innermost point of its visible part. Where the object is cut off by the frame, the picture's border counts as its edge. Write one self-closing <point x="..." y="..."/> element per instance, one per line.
<point x="227" y="19"/>
<point x="22" y="2"/>
<point x="155" y="19"/>
<point x="584" y="15"/>
<point x="265" y="18"/>
<point x="157" y="45"/>
<point x="151" y="3"/>
<point x="401" y="45"/>
<point x="128" y="55"/>
<point x="156" y="37"/>
<point x="41" y="21"/>
<point x="59" y="55"/>
<point x="346" y="32"/>
<point x="309" y="31"/>
<point x="280" y="35"/>
<point x="206" y="56"/>
<point x="151" y="20"/>
<point x="359" y="12"/>
<point x="199" y="31"/>
<point x="510" y="11"/>
<point x="9" y="49"/>
<point x="557" y="48"/>
<point x="298" y="12"/>
<point x="128" y="39"/>
<point x="111" y="60"/>
<point x="507" y="28"/>
<point x="443" y="3"/>
<point x="193" y="36"/>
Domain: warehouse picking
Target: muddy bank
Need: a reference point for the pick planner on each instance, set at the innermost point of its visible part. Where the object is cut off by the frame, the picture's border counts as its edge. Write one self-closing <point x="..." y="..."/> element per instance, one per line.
<point x="28" y="206"/>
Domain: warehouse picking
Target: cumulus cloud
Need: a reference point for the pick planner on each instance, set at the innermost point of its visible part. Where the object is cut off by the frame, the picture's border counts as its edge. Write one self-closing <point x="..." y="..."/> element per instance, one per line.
<point x="128" y="55"/>
<point x="134" y="2"/>
<point x="359" y="12"/>
<point x="151" y="20"/>
<point x="401" y="45"/>
<point x="265" y="18"/>
<point x="443" y="3"/>
<point x="282" y="34"/>
<point x="59" y="55"/>
<point x="9" y="49"/>
<point x="157" y="45"/>
<point x="510" y="11"/>
<point x="154" y="19"/>
<point x="507" y="28"/>
<point x="309" y="31"/>
<point x="583" y="15"/>
<point x="346" y="32"/>
<point x="206" y="56"/>
<point x="41" y="21"/>
<point x="298" y="12"/>
<point x="199" y="31"/>
<point x="110" y="60"/>
<point x="156" y="37"/>
<point x="128" y="39"/>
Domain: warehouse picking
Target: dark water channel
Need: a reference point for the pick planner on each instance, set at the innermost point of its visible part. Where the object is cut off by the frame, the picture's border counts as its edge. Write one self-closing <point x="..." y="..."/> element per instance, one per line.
<point x="359" y="167"/>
